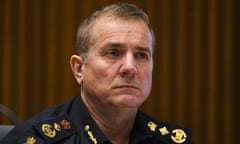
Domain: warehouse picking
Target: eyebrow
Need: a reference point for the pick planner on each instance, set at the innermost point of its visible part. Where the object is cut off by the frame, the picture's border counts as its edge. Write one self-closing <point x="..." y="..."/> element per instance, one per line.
<point x="120" y="45"/>
<point x="117" y="45"/>
<point x="144" y="49"/>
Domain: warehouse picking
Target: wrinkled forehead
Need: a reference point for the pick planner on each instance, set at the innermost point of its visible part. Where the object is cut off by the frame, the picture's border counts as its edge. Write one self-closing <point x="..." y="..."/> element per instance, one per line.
<point x="108" y="23"/>
<point x="107" y="20"/>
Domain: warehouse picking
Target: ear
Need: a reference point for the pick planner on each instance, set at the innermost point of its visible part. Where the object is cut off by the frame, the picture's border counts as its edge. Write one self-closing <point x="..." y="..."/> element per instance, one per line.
<point x="76" y="63"/>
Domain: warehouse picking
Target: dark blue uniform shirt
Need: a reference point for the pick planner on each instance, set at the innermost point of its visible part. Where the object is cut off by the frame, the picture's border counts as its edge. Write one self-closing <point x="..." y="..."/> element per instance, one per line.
<point x="71" y="123"/>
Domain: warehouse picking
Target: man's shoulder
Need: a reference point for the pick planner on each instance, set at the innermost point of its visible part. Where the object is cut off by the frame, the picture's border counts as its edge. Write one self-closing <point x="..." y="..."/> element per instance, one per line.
<point x="60" y="109"/>
<point x="50" y="130"/>
<point x="167" y="132"/>
<point x="47" y="126"/>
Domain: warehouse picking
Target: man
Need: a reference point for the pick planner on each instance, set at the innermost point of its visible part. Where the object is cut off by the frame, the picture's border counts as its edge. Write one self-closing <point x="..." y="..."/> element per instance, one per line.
<point x="113" y="67"/>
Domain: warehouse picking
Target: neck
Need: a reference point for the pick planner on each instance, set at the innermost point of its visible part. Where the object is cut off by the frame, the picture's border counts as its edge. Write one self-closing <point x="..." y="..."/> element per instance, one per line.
<point x="115" y="122"/>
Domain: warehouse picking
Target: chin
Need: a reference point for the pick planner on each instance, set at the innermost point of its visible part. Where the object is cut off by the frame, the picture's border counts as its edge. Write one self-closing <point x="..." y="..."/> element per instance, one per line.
<point x="129" y="101"/>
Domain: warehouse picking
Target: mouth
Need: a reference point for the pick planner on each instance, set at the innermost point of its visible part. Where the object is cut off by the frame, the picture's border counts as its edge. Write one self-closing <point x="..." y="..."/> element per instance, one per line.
<point x="127" y="86"/>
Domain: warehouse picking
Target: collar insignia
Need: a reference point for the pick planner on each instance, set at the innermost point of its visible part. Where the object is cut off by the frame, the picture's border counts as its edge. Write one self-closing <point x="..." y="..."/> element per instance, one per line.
<point x="90" y="134"/>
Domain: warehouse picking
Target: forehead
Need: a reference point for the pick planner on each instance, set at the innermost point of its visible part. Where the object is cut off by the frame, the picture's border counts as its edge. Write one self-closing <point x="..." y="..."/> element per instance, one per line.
<point x="108" y="22"/>
<point x="109" y="28"/>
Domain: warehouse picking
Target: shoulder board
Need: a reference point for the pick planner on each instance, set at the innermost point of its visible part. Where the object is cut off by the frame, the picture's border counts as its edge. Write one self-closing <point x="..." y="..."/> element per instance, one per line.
<point x="55" y="129"/>
<point x="167" y="132"/>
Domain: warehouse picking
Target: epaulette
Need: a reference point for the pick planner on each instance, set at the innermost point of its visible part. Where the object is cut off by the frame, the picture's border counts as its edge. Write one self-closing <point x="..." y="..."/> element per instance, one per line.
<point x="169" y="133"/>
<point x="55" y="129"/>
<point x="166" y="132"/>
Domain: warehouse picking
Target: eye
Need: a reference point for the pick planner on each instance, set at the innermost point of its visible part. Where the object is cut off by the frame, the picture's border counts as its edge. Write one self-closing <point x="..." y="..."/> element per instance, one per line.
<point x="113" y="53"/>
<point x="141" y="55"/>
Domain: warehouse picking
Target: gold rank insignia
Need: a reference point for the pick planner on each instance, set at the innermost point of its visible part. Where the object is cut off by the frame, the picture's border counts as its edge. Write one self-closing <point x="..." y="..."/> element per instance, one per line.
<point x="57" y="127"/>
<point x="48" y="130"/>
<point x="30" y="140"/>
<point x="66" y="125"/>
<point x="163" y="131"/>
<point x="178" y="136"/>
<point x="152" y="126"/>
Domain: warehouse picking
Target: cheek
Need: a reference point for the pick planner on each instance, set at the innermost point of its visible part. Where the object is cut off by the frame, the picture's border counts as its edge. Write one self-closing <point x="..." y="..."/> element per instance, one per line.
<point x="147" y="81"/>
<point x="98" y="72"/>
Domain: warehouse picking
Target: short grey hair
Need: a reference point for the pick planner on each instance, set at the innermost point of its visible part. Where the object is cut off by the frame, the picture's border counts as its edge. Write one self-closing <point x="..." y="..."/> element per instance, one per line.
<point x="117" y="10"/>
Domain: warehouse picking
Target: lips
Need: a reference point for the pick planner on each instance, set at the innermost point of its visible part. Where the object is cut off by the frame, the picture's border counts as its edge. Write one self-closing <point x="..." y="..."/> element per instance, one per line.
<point x="127" y="86"/>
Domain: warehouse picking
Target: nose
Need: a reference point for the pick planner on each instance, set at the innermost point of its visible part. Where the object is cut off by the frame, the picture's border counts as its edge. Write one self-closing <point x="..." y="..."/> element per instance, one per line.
<point x="128" y="66"/>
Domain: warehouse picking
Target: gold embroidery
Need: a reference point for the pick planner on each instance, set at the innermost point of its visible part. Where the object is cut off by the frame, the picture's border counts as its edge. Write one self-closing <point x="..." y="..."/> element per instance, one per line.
<point x="48" y="130"/>
<point x="178" y="136"/>
<point x="90" y="134"/>
<point x="30" y="140"/>
<point x="163" y="130"/>
<point x="152" y="126"/>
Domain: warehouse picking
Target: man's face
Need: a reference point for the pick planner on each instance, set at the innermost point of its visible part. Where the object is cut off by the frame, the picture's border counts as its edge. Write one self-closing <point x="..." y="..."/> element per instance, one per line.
<point x="119" y="65"/>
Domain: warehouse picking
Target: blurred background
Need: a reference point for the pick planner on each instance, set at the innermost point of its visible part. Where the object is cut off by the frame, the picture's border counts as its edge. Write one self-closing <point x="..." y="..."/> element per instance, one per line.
<point x="196" y="80"/>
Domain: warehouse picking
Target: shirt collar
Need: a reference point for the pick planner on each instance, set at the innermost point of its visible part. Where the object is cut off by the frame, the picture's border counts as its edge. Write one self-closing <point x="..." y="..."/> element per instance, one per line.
<point x="140" y="130"/>
<point x="80" y="114"/>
